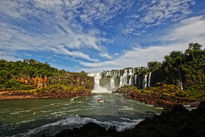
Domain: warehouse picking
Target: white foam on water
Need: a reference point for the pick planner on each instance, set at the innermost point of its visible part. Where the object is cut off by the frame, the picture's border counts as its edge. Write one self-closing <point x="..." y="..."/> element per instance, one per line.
<point x="72" y="99"/>
<point x="18" y="112"/>
<point x="126" y="108"/>
<point x="76" y="120"/>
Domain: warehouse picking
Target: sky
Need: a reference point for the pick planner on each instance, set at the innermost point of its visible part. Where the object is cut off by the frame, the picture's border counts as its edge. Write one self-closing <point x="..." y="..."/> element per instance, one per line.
<point x="97" y="35"/>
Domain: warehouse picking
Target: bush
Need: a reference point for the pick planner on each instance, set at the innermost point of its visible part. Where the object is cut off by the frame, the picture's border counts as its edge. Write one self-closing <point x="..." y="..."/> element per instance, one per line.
<point x="14" y="84"/>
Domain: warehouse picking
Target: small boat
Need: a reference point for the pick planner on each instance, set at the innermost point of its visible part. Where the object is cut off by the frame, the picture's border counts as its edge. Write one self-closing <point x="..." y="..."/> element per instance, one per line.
<point x="100" y="100"/>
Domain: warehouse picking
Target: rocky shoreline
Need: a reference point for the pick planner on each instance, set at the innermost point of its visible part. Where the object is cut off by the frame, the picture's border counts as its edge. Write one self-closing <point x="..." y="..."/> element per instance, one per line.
<point x="13" y="95"/>
<point x="179" y="122"/>
<point x="158" y="98"/>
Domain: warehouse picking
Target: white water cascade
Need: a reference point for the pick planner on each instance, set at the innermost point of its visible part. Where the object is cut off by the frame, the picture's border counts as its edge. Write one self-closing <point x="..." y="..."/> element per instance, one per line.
<point x="131" y="77"/>
<point x="149" y="79"/>
<point x="97" y="87"/>
<point x="112" y="83"/>
<point x="180" y="81"/>
<point x="124" y="79"/>
<point x="135" y="81"/>
<point x="145" y="81"/>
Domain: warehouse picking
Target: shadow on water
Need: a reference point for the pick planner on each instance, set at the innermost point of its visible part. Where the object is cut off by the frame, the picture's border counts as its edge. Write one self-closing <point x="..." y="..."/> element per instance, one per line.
<point x="51" y="126"/>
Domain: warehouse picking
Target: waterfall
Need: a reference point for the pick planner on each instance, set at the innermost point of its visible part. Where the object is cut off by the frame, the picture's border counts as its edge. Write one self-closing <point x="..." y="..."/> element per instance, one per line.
<point x="108" y="73"/>
<point x="112" y="83"/>
<point x="149" y="79"/>
<point x="145" y="81"/>
<point x="130" y="71"/>
<point x="107" y="81"/>
<point x="124" y="79"/>
<point x="121" y="81"/>
<point x="97" y="87"/>
<point x="180" y="81"/>
<point x="130" y="81"/>
<point x="125" y="75"/>
<point x="135" y="81"/>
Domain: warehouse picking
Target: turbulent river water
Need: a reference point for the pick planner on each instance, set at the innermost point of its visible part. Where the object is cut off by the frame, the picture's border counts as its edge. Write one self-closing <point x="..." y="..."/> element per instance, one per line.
<point x="33" y="117"/>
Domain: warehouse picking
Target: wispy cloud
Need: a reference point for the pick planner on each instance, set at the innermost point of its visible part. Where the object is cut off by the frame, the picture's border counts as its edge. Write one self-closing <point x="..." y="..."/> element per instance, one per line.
<point x="135" y="57"/>
<point x="8" y="55"/>
<point x="27" y="36"/>
<point x="103" y="11"/>
<point x="156" y="12"/>
<point x="176" y="39"/>
<point x="189" y="30"/>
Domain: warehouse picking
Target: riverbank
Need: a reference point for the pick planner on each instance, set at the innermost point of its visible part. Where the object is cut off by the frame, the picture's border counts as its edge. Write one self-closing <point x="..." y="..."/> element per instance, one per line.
<point x="166" y="96"/>
<point x="176" y="123"/>
<point x="13" y="95"/>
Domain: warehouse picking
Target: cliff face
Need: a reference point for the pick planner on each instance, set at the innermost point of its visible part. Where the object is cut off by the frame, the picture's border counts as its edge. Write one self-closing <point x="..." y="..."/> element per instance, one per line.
<point x="130" y="76"/>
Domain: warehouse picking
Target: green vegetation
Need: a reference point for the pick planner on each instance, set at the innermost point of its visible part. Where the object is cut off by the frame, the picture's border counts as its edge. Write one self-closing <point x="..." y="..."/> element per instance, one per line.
<point x="181" y="76"/>
<point x="162" y="90"/>
<point x="185" y="68"/>
<point x="35" y="77"/>
<point x="190" y="66"/>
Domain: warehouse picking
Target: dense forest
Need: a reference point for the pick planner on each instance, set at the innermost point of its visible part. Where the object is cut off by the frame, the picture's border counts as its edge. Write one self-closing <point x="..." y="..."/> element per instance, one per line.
<point x="31" y="75"/>
<point x="185" y="69"/>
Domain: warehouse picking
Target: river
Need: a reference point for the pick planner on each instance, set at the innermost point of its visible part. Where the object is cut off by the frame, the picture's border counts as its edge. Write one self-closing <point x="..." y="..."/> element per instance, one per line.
<point x="33" y="117"/>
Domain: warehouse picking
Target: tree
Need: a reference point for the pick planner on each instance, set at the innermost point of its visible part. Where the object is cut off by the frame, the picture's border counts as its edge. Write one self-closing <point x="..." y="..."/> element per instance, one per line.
<point x="154" y="65"/>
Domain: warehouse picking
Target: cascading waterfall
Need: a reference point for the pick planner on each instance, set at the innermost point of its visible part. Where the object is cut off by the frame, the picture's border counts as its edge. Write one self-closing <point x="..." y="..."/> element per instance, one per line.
<point x="130" y="71"/>
<point x="131" y="77"/>
<point x="149" y="79"/>
<point x="112" y="83"/>
<point x="145" y="81"/>
<point x="125" y="78"/>
<point x="108" y="73"/>
<point x="180" y="81"/>
<point x="97" y="87"/>
<point x="130" y="81"/>
<point x="121" y="81"/>
<point x="108" y="81"/>
<point x="135" y="81"/>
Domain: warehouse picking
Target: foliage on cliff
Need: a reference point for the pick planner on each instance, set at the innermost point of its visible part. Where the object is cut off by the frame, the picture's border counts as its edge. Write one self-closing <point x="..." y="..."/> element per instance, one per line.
<point x="161" y="90"/>
<point x="31" y="74"/>
<point x="181" y="74"/>
<point x="186" y="67"/>
<point x="182" y="68"/>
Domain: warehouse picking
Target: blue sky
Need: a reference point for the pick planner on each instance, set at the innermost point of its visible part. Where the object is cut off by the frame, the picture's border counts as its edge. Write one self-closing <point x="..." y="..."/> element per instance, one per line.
<point x="96" y="35"/>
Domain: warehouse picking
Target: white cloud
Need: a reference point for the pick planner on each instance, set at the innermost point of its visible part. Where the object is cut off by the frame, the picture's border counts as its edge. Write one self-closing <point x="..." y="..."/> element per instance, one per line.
<point x="187" y="31"/>
<point x="136" y="57"/>
<point x="59" y="16"/>
<point x="17" y="39"/>
<point x="156" y="12"/>
<point x="105" y="55"/>
<point x="9" y="8"/>
<point x="62" y="50"/>
<point x="9" y="56"/>
<point x="103" y="11"/>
